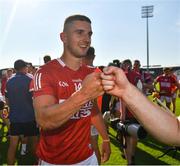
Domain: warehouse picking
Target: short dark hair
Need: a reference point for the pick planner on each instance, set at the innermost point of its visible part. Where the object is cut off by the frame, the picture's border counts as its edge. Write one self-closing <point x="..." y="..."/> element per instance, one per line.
<point x="137" y="61"/>
<point x="73" y="18"/>
<point x="20" y="64"/>
<point x="46" y="58"/>
<point x="167" y="69"/>
<point x="127" y="62"/>
<point x="117" y="62"/>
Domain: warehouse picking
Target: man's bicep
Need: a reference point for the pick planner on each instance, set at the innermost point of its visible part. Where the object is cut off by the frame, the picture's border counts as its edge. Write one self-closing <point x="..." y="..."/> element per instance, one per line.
<point x="43" y="101"/>
<point x="41" y="107"/>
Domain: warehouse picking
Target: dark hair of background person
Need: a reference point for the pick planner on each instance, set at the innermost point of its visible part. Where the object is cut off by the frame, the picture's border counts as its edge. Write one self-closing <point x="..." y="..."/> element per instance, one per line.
<point x="117" y="62"/>
<point x="46" y="58"/>
<point x="20" y="64"/>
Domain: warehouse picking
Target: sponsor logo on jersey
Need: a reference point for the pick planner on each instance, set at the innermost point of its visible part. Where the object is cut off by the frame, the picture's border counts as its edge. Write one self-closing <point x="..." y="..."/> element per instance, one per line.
<point x="63" y="84"/>
<point x="84" y="111"/>
<point x="165" y="84"/>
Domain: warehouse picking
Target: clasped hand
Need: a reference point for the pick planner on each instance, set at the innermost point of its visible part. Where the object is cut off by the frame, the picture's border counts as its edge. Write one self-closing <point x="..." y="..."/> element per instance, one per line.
<point x="112" y="80"/>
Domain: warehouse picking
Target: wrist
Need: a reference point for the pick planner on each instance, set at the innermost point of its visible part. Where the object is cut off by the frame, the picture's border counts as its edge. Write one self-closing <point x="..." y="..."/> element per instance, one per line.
<point x="81" y="97"/>
<point x="127" y="91"/>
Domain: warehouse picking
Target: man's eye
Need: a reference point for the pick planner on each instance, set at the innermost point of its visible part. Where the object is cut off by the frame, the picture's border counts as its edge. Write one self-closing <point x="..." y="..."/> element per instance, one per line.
<point x="79" y="32"/>
<point x="90" y="34"/>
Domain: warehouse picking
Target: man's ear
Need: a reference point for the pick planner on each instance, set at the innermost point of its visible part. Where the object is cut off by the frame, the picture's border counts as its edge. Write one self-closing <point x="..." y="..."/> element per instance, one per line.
<point x="63" y="37"/>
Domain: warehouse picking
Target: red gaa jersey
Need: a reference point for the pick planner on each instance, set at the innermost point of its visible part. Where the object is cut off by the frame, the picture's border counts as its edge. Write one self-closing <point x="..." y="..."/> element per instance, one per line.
<point x="70" y="143"/>
<point x="133" y="78"/>
<point x="166" y="84"/>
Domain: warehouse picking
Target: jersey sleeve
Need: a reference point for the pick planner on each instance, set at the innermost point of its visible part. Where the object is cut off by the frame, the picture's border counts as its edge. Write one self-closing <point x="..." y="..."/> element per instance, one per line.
<point x="97" y="70"/>
<point x="42" y="83"/>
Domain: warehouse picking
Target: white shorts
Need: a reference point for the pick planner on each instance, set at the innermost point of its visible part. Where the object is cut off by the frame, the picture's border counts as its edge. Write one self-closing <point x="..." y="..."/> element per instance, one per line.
<point x="92" y="160"/>
<point x="94" y="131"/>
<point x="166" y="98"/>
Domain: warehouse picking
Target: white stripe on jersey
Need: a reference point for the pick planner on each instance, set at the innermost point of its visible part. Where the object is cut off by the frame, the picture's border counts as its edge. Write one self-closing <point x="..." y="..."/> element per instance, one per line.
<point x="61" y="62"/>
<point x="37" y="81"/>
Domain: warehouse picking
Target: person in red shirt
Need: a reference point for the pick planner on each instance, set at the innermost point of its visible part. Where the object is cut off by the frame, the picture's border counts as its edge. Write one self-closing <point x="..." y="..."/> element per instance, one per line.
<point x="166" y="82"/>
<point x="64" y="93"/>
<point x="3" y="82"/>
<point x="174" y="91"/>
<point x="133" y="76"/>
<point x="146" y="77"/>
<point x="6" y="74"/>
<point x="130" y="141"/>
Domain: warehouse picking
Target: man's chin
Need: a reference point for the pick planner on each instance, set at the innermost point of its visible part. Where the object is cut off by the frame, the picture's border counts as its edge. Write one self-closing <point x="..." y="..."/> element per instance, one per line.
<point x="81" y="56"/>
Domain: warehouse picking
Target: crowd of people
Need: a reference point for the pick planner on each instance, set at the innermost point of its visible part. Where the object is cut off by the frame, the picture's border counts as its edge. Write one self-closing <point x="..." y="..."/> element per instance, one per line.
<point x="60" y="105"/>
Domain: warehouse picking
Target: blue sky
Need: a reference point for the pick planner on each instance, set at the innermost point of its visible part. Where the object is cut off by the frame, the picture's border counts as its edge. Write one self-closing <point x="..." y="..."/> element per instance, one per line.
<point x="29" y="29"/>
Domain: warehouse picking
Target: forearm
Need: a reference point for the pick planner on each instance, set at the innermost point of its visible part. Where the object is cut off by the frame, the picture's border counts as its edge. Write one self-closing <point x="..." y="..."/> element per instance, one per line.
<point x="159" y="123"/>
<point x="51" y="115"/>
<point x="98" y="122"/>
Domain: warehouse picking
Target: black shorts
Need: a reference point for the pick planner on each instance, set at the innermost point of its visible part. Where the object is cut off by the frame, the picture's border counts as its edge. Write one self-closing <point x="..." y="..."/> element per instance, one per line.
<point x="25" y="129"/>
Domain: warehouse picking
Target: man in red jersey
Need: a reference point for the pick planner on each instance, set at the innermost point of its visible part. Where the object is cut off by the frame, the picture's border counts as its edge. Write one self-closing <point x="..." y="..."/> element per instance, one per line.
<point x="174" y="91"/>
<point x="166" y="82"/>
<point x="145" y="77"/>
<point x="130" y="142"/>
<point x="64" y="90"/>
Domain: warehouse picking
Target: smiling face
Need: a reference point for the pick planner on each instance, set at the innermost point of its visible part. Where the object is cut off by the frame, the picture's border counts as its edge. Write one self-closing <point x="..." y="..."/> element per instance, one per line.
<point x="77" y="38"/>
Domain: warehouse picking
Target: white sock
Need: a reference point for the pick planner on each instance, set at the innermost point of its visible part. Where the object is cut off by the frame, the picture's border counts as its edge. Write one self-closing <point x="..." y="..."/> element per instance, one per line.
<point x="23" y="149"/>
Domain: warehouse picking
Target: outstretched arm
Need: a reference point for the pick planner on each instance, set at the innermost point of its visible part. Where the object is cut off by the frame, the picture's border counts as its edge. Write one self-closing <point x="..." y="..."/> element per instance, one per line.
<point x="163" y="125"/>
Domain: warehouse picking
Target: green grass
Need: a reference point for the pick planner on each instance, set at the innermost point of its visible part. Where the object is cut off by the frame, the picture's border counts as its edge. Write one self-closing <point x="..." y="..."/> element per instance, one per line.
<point x="147" y="151"/>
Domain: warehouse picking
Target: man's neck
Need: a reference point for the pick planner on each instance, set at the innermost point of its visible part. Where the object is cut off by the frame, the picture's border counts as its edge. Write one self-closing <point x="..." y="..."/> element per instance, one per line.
<point x="71" y="61"/>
